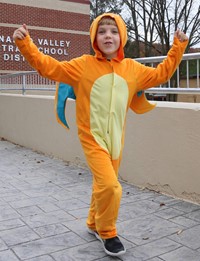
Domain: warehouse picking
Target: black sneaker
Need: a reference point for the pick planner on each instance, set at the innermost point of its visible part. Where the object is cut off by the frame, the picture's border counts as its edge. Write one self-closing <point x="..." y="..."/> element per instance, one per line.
<point x="92" y="232"/>
<point x="113" y="246"/>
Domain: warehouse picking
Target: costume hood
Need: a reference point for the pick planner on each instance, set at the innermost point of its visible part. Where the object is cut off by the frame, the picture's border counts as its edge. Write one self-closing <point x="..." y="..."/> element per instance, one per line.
<point x="122" y="31"/>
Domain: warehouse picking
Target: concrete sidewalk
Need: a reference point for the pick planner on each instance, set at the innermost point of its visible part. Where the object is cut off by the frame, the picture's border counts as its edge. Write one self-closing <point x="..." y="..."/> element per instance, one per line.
<point x="44" y="204"/>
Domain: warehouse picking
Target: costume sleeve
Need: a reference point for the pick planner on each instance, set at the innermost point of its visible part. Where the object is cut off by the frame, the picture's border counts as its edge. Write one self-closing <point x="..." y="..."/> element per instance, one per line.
<point x="151" y="77"/>
<point x="66" y="72"/>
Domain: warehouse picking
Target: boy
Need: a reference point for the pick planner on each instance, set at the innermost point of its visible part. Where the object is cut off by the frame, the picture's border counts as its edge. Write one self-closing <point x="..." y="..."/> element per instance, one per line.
<point x="105" y="86"/>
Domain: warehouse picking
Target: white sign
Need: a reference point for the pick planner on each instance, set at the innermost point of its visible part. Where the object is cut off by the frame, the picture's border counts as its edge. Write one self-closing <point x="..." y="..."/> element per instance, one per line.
<point x="11" y="52"/>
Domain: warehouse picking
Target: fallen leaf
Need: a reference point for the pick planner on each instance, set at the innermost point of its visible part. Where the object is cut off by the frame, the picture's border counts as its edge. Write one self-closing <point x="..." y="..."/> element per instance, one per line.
<point x="145" y="238"/>
<point x="179" y="232"/>
<point x="162" y="204"/>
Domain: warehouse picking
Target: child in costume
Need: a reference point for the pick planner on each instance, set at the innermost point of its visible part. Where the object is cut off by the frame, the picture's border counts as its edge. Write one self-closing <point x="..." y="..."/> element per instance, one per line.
<point x="105" y="86"/>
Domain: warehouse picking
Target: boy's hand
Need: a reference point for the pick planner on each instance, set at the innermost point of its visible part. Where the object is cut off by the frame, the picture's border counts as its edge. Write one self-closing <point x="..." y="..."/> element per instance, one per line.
<point x="181" y="35"/>
<point x="20" y="33"/>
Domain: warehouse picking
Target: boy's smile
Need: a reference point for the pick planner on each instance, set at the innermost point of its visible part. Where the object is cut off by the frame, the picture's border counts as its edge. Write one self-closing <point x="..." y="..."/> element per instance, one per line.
<point x="108" y="40"/>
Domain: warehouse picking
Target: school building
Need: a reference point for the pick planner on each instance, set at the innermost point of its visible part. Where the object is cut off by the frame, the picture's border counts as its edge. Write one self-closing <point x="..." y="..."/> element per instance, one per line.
<point x="59" y="28"/>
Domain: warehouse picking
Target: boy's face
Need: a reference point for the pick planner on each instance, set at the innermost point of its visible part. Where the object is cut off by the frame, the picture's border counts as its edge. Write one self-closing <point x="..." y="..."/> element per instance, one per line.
<point x="108" y="40"/>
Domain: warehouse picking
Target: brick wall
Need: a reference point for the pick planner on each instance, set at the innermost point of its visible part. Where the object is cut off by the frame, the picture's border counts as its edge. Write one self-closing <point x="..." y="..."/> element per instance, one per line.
<point x="64" y="35"/>
<point x="78" y="1"/>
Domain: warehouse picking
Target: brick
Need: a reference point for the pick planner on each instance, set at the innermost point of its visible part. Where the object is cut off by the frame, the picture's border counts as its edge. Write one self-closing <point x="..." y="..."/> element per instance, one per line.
<point x="43" y="23"/>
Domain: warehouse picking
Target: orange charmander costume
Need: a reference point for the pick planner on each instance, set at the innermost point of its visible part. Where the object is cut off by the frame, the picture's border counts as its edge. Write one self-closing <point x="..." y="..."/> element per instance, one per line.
<point x="104" y="91"/>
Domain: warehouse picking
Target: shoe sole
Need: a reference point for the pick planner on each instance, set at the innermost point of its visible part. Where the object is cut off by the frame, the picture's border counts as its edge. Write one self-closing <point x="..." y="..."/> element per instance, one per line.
<point x="94" y="233"/>
<point x="91" y="232"/>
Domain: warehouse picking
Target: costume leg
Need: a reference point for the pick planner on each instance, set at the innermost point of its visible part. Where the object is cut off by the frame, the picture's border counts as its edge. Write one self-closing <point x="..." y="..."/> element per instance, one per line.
<point x="92" y="212"/>
<point x="106" y="194"/>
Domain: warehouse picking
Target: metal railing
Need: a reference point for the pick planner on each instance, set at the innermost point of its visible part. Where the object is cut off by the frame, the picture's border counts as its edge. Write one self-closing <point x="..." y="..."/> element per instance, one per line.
<point x="31" y="80"/>
<point x="26" y="81"/>
<point x="167" y="87"/>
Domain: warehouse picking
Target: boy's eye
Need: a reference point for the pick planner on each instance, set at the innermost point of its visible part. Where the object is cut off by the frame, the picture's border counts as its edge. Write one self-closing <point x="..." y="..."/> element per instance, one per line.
<point x="112" y="31"/>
